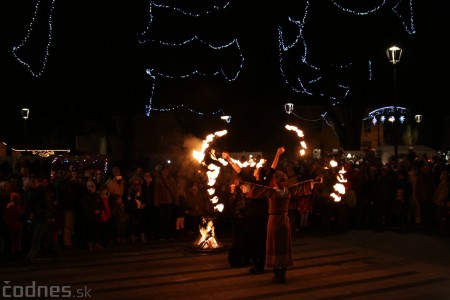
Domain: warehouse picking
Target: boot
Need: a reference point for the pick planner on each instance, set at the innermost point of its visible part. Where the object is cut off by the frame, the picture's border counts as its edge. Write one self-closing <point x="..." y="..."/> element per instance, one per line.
<point x="283" y="275"/>
<point x="276" y="274"/>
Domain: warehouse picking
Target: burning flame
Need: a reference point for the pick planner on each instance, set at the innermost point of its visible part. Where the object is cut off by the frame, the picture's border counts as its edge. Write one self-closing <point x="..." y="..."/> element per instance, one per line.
<point x="251" y="162"/>
<point x="213" y="169"/>
<point x="301" y="135"/>
<point x="207" y="239"/>
<point x="339" y="187"/>
<point x="200" y="155"/>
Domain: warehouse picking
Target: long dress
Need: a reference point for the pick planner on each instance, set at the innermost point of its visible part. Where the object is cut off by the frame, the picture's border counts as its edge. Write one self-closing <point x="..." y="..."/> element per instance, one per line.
<point x="279" y="240"/>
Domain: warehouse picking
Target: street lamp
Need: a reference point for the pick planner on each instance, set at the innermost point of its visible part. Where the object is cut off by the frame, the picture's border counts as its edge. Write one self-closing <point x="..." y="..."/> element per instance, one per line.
<point x="25" y="115"/>
<point x="289" y="108"/>
<point x="418" y="118"/>
<point x="227" y="119"/>
<point x="394" y="55"/>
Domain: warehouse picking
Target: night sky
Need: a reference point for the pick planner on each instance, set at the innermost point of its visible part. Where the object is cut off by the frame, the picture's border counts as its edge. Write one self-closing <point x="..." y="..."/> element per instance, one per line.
<point x="96" y="65"/>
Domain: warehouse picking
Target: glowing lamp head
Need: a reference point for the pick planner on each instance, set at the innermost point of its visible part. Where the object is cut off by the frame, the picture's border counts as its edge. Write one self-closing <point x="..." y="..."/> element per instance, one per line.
<point x="394" y="54"/>
<point x="25" y="113"/>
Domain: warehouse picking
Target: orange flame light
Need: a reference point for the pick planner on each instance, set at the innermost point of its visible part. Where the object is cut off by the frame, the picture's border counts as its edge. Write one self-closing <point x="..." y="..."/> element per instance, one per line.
<point x="207" y="240"/>
<point x="300" y="135"/>
<point x="200" y="155"/>
<point x="339" y="187"/>
<point x="251" y="162"/>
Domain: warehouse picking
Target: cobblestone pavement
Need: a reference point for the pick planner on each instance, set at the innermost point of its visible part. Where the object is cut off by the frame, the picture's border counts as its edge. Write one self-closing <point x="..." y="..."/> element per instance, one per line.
<point x="358" y="264"/>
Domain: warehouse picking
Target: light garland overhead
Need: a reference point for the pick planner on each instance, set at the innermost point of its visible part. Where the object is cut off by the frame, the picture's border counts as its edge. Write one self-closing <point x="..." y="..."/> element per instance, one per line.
<point x="211" y="7"/>
<point x="39" y="15"/>
<point x="155" y="75"/>
<point x="387" y="113"/>
<point x="289" y="109"/>
<point x="403" y="5"/>
<point x="313" y="80"/>
<point x="42" y="152"/>
<point x="327" y="80"/>
<point x="190" y="109"/>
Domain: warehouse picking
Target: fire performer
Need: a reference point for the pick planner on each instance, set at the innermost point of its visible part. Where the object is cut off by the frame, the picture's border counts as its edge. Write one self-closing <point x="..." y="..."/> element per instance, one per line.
<point x="279" y="239"/>
<point x="257" y="213"/>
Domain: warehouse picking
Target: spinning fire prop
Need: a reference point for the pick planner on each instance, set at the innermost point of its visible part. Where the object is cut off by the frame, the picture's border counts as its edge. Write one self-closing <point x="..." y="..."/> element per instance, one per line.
<point x="339" y="187"/>
<point x="207" y="240"/>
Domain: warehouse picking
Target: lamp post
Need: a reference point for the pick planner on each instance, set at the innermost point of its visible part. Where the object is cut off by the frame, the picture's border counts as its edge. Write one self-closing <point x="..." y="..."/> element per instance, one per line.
<point x="394" y="54"/>
<point x="227" y="120"/>
<point x="25" y="115"/>
<point x="289" y="108"/>
<point x="418" y="119"/>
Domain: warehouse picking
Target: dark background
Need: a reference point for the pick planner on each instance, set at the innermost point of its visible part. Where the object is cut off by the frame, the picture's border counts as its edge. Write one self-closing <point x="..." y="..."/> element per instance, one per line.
<point x="96" y="68"/>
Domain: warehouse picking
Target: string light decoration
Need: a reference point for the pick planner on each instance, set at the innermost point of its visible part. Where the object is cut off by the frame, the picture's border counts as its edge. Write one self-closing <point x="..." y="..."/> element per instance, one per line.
<point x="40" y="15"/>
<point x="147" y="36"/>
<point x="381" y="114"/>
<point x="314" y="78"/>
<point x="289" y="109"/>
<point x="293" y="44"/>
<point x="387" y="113"/>
<point x="188" y="108"/>
<point x="42" y="152"/>
<point x="210" y="8"/>
<point x="399" y="7"/>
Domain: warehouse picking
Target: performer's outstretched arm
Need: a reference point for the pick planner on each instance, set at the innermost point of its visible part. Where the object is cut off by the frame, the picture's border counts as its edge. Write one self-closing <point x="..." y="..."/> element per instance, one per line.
<point x="226" y="156"/>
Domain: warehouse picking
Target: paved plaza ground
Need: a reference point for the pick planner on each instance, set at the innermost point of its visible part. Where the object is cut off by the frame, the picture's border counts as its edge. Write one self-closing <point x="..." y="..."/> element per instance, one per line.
<point x="358" y="264"/>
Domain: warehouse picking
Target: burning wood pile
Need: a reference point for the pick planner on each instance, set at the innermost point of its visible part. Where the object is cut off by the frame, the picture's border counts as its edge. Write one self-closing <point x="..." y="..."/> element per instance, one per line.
<point x="207" y="241"/>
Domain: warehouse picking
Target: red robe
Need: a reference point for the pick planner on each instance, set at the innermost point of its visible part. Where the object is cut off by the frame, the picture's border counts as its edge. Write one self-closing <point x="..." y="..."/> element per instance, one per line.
<point x="279" y="240"/>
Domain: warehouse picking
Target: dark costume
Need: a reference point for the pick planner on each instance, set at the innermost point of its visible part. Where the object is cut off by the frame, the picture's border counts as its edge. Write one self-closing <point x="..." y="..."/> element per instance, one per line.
<point x="256" y="227"/>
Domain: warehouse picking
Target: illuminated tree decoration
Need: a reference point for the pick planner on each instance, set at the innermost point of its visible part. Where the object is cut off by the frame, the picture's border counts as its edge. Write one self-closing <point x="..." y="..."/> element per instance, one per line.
<point x="34" y="40"/>
<point x="325" y="77"/>
<point x="186" y="52"/>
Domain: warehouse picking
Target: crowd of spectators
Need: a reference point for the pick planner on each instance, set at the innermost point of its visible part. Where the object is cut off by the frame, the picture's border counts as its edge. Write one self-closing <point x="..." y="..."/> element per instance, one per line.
<point x="44" y="211"/>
